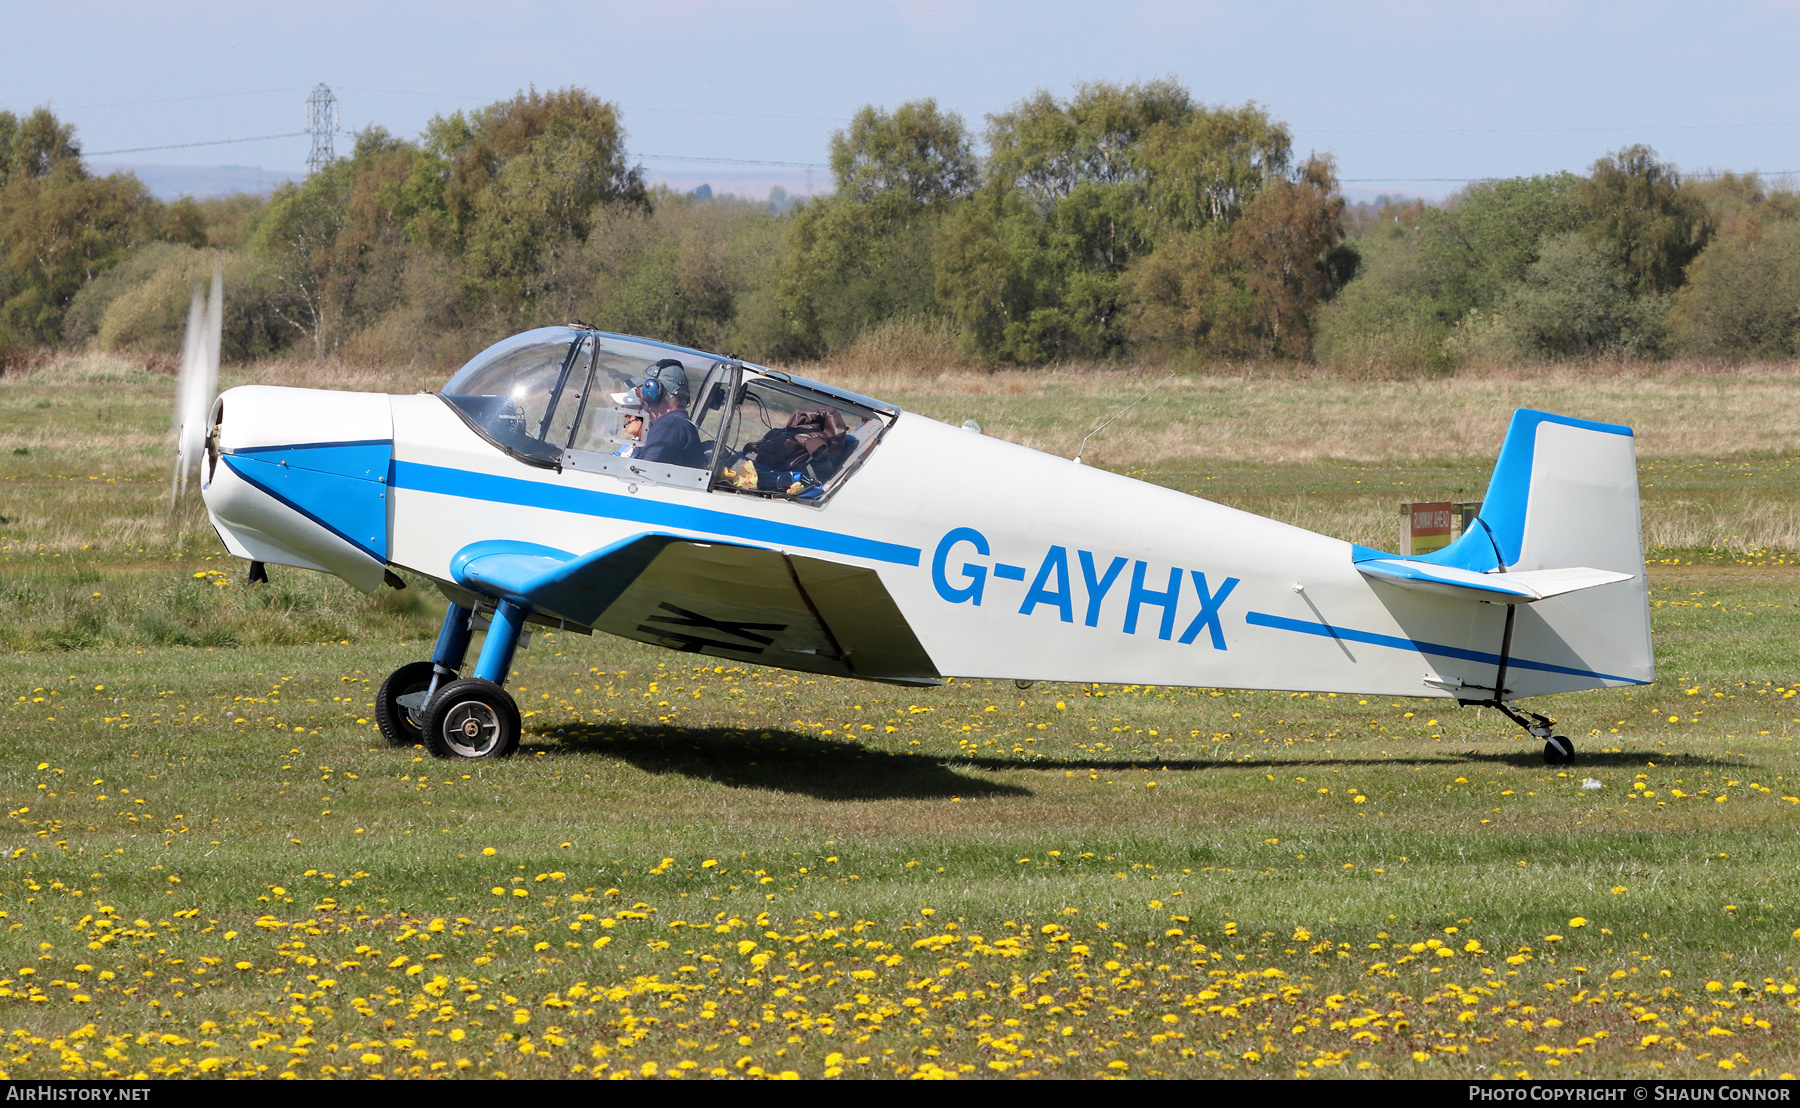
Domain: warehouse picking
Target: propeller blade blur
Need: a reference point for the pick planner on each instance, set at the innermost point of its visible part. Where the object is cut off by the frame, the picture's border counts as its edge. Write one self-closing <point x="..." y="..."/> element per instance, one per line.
<point x="199" y="378"/>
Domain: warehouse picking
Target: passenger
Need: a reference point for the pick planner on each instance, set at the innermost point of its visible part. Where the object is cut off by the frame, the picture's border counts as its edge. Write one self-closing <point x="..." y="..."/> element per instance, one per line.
<point x="813" y="445"/>
<point x="671" y="438"/>
<point x="633" y="431"/>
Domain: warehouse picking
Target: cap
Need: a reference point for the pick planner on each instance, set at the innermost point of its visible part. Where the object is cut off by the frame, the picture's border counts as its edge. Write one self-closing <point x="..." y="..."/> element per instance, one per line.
<point x="669" y="373"/>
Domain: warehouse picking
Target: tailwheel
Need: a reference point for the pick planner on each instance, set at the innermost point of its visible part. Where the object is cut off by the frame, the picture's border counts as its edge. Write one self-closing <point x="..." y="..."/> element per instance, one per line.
<point x="1558" y="750"/>
<point x="400" y="704"/>
<point x="471" y="718"/>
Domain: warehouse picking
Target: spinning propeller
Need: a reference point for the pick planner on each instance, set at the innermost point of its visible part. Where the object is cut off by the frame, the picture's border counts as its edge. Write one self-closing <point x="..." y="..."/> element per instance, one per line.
<point x="199" y="379"/>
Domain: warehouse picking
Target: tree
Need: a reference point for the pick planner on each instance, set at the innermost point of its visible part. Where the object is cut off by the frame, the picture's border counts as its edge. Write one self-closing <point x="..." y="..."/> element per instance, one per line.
<point x="60" y="227"/>
<point x="59" y="232"/>
<point x="1384" y="319"/>
<point x="1250" y="290"/>
<point x="501" y="187"/>
<point x="679" y="271"/>
<point x="1203" y="168"/>
<point x="297" y="239"/>
<point x="36" y="145"/>
<point x="1186" y="295"/>
<point x="1052" y="259"/>
<point x="1471" y="250"/>
<point x="1288" y="246"/>
<point x="1046" y="149"/>
<point x="912" y="158"/>
<point x="864" y="254"/>
<point x="1639" y="215"/>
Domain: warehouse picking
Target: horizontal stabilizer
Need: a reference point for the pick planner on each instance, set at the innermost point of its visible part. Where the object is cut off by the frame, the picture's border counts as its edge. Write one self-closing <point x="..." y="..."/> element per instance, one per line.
<point x="1496" y="588"/>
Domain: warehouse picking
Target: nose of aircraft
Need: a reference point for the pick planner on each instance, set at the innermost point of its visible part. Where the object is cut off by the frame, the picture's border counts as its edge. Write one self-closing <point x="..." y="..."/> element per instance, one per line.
<point x="299" y="477"/>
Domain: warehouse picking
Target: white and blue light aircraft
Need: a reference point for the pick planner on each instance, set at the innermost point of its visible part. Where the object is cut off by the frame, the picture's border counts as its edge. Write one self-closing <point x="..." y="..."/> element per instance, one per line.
<point x="833" y="533"/>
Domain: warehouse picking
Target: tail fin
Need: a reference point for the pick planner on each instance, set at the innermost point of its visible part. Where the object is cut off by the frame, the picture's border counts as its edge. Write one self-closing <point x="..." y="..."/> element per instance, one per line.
<point x="1564" y="494"/>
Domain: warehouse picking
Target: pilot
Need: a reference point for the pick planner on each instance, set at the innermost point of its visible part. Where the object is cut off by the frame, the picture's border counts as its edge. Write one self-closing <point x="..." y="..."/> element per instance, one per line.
<point x="671" y="438"/>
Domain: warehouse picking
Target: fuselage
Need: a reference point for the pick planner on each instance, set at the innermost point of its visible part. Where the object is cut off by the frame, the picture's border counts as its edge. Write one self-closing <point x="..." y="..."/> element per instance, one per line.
<point x="1003" y="561"/>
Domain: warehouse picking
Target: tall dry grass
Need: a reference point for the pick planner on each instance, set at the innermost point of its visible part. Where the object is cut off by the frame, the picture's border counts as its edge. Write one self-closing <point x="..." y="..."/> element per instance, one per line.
<point x="1252" y="414"/>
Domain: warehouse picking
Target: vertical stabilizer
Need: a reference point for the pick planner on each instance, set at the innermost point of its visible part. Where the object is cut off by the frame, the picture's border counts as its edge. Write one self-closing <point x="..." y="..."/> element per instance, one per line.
<point x="1565" y="494"/>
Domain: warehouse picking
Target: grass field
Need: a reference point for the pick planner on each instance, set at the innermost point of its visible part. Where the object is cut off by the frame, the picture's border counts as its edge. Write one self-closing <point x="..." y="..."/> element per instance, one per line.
<point x="218" y="868"/>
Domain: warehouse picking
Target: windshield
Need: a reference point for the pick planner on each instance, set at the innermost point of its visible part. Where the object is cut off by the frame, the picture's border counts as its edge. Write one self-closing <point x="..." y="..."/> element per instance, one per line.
<point x="540" y="393"/>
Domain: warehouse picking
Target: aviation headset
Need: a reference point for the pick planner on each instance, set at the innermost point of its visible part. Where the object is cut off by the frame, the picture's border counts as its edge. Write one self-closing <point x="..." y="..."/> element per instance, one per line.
<point x="653" y="390"/>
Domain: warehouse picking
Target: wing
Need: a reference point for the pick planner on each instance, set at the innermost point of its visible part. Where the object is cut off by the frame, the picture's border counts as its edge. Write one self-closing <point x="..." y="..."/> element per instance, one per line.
<point x="724" y="600"/>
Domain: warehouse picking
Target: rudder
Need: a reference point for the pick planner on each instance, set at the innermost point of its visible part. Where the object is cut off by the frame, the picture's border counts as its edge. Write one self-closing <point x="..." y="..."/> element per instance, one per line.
<point x="1564" y="494"/>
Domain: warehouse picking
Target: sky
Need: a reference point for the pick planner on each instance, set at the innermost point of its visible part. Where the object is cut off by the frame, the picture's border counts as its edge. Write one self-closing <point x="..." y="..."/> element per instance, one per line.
<point x="1409" y="97"/>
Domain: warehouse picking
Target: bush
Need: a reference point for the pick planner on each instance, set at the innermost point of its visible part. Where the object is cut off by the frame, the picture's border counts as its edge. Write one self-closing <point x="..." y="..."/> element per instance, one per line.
<point x="151" y="317"/>
<point x="81" y="322"/>
<point x="1384" y="320"/>
<point x="1742" y="299"/>
<point x="426" y="327"/>
<point x="926" y="344"/>
<point x="1485" y="339"/>
<point x="1575" y="302"/>
<point x="677" y="272"/>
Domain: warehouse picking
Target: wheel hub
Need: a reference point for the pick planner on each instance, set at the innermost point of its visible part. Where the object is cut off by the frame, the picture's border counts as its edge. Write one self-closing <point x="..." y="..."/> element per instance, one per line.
<point x="471" y="728"/>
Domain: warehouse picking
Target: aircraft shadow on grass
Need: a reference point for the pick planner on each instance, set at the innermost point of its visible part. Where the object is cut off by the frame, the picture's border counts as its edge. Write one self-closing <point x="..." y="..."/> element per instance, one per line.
<point x="837" y="769"/>
<point x="784" y="761"/>
<point x="1624" y="759"/>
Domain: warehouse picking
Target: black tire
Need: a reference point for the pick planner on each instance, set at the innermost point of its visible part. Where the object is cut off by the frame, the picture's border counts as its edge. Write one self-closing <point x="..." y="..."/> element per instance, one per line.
<point x="471" y="719"/>
<point x="402" y="726"/>
<point x="1558" y="751"/>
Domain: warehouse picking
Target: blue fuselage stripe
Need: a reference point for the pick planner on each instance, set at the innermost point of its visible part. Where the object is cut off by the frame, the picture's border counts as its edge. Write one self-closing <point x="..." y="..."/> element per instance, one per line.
<point x="1309" y="627"/>
<point x="420" y="477"/>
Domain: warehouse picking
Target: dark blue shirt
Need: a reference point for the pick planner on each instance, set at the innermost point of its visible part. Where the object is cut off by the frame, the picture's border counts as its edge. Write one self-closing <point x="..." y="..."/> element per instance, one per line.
<point x="673" y="440"/>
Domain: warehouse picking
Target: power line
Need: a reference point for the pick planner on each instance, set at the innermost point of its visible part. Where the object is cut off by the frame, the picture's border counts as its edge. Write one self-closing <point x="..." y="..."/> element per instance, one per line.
<point x="184" y="99"/>
<point x="729" y="161"/>
<point x="185" y="145"/>
<point x="738" y="115"/>
<point x="1535" y="130"/>
<point x="622" y="107"/>
<point x="405" y="92"/>
<point x="1490" y="180"/>
<point x="302" y="134"/>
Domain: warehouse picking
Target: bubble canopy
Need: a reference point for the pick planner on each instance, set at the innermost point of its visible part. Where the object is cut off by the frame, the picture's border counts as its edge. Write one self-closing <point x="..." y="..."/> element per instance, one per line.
<point x="528" y="393"/>
<point x="562" y="397"/>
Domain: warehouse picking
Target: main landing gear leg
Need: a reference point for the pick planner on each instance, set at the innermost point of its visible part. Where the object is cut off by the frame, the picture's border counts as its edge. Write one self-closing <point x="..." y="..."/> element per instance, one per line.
<point x="476" y="717"/>
<point x="400" y="704"/>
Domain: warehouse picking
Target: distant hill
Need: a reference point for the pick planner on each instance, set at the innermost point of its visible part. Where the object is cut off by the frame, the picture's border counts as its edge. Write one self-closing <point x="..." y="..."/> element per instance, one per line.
<point x="167" y="182"/>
